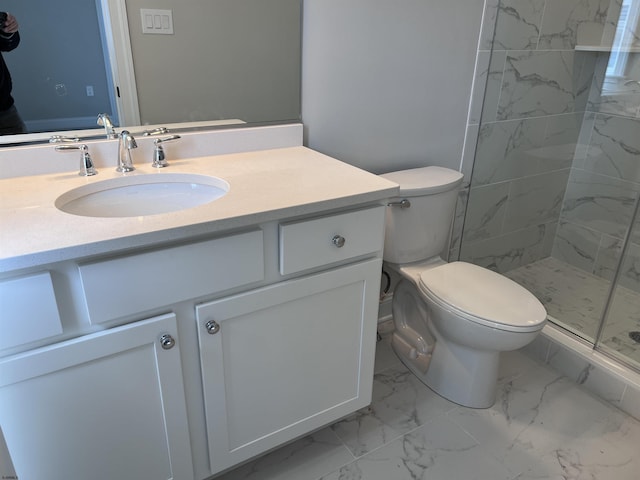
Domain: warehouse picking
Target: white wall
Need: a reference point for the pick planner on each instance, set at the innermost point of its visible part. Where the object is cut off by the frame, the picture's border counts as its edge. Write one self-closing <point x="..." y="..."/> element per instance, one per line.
<point x="386" y="84"/>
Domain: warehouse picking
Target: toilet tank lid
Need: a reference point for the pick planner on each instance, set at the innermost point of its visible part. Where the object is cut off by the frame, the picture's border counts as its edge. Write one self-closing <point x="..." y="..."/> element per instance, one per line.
<point x="424" y="180"/>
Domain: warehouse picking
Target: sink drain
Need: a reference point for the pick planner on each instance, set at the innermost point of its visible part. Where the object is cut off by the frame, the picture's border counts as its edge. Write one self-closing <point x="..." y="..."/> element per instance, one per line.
<point x="635" y="336"/>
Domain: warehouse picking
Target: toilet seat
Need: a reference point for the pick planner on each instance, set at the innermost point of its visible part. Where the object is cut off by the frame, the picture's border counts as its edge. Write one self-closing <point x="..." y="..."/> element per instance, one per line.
<point x="482" y="296"/>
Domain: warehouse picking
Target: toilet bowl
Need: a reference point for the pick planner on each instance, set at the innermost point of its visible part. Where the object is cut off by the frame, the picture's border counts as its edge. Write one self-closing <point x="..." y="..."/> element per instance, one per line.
<point x="460" y="317"/>
<point x="451" y="320"/>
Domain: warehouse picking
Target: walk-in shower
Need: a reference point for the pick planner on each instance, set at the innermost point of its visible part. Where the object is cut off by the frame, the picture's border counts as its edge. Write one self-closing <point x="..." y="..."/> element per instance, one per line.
<point x="553" y="193"/>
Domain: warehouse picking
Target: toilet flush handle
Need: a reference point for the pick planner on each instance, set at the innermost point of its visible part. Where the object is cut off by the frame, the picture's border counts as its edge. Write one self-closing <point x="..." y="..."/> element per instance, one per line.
<point x="404" y="203"/>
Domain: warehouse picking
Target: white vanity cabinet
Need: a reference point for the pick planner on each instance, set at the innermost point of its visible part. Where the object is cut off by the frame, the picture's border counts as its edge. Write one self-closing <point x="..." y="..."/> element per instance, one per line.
<point x="280" y="361"/>
<point x="270" y="335"/>
<point x="284" y="360"/>
<point x="102" y="406"/>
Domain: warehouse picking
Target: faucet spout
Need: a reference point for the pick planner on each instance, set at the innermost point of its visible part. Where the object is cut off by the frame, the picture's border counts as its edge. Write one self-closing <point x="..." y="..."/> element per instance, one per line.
<point x="125" y="143"/>
<point x="105" y="121"/>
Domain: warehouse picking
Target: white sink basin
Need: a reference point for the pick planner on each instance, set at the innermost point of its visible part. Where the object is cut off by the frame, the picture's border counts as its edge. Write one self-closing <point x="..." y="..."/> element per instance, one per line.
<point x="139" y="195"/>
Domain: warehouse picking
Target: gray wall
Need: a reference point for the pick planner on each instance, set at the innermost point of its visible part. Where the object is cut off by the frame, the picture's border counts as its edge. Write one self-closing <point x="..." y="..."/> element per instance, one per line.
<point x="386" y="83"/>
<point x="226" y="59"/>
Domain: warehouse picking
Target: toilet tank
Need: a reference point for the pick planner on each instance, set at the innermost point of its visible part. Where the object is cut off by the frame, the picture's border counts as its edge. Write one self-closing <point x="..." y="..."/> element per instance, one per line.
<point x="421" y="231"/>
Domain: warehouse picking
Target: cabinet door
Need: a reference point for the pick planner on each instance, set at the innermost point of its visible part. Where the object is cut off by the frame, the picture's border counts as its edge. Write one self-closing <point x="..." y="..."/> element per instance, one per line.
<point x="105" y="406"/>
<point x="284" y="360"/>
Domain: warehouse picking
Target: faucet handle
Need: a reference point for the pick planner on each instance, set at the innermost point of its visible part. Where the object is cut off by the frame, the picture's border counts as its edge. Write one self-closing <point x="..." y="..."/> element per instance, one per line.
<point x="86" y="164"/>
<point x="155" y="131"/>
<point x="63" y="139"/>
<point x="158" y="153"/>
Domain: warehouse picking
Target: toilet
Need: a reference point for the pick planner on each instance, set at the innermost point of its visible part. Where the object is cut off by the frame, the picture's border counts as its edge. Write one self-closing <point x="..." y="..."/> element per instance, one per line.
<point x="451" y="320"/>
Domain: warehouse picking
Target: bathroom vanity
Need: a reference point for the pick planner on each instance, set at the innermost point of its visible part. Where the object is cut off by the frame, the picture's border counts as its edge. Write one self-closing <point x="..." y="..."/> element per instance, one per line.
<point x="177" y="345"/>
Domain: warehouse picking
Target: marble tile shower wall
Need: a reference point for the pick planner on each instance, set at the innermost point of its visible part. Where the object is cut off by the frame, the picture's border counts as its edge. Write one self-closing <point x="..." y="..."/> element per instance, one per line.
<point x="605" y="182"/>
<point x="555" y="166"/>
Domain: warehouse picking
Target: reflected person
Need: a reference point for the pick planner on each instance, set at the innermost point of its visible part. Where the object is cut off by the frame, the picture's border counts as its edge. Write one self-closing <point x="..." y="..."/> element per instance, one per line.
<point x="10" y="121"/>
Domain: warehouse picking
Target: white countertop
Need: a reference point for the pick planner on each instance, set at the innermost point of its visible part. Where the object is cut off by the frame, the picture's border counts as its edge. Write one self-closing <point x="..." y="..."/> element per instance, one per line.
<point x="264" y="186"/>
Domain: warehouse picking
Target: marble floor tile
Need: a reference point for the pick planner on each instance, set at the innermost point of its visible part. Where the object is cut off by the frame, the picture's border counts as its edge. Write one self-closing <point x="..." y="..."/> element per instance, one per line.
<point x="304" y="459"/>
<point x="400" y="404"/>
<point x="545" y="426"/>
<point x="576" y="299"/>
<point x="542" y="426"/>
<point x="438" y="450"/>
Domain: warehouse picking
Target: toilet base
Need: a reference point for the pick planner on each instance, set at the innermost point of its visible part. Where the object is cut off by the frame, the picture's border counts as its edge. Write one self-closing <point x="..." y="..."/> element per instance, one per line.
<point x="462" y="375"/>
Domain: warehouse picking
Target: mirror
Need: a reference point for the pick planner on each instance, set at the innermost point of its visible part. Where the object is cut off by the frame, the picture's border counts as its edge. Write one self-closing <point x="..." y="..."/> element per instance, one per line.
<point x="236" y="60"/>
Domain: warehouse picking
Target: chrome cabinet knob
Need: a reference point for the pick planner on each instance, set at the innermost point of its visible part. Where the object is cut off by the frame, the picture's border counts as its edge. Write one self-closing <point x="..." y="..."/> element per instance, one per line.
<point x="212" y="327"/>
<point x="338" y="241"/>
<point x="167" y="341"/>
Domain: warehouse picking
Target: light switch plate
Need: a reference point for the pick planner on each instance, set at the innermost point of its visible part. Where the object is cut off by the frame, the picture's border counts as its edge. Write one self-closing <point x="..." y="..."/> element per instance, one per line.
<point x="156" y="21"/>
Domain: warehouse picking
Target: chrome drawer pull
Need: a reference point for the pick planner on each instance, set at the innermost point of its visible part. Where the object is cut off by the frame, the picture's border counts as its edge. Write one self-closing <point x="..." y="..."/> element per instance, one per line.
<point x="167" y="341"/>
<point x="338" y="241"/>
<point x="212" y="327"/>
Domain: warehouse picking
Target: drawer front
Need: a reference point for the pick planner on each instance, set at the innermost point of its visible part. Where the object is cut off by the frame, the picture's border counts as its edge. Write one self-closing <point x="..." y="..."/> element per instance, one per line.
<point x="28" y="310"/>
<point x="325" y="240"/>
<point x="135" y="283"/>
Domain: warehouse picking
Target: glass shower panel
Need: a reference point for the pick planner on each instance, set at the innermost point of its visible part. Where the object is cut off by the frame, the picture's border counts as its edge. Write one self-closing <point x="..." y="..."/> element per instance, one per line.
<point x="620" y="336"/>
<point x="553" y="184"/>
<point x="617" y="155"/>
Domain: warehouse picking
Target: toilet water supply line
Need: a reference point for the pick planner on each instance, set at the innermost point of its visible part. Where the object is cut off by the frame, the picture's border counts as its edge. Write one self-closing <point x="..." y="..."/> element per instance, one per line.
<point x="385" y="290"/>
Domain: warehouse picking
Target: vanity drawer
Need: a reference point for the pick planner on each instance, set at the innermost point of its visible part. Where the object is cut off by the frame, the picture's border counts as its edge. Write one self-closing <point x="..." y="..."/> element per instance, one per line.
<point x="136" y="283"/>
<point x="312" y="243"/>
<point x="28" y="310"/>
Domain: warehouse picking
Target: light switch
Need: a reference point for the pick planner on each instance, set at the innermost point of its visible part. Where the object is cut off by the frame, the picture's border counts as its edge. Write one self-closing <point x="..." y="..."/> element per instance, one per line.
<point x="157" y="21"/>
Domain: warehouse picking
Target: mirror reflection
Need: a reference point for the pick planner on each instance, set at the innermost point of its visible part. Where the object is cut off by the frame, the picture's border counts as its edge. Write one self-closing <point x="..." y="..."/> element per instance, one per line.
<point x="222" y="59"/>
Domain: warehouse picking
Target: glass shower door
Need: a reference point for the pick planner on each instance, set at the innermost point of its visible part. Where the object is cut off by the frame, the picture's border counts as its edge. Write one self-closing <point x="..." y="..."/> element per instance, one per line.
<point x="556" y="166"/>
<point x="620" y="334"/>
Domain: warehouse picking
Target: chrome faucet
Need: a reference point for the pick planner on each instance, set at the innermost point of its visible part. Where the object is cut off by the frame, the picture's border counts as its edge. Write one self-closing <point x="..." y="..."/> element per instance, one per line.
<point x="105" y="121"/>
<point x="125" y="143"/>
<point x="159" y="160"/>
<point x="86" y="165"/>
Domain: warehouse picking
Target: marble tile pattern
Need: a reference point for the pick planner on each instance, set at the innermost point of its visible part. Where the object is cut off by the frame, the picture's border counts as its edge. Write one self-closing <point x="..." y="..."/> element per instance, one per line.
<point x="612" y="383"/>
<point x="458" y="225"/>
<point x="490" y="67"/>
<point x="602" y="203"/>
<point x="598" y="254"/>
<point x="511" y="250"/>
<point x="600" y="200"/>
<point x="614" y="148"/>
<point x="541" y="109"/>
<point x="544" y="24"/>
<point x="517" y="188"/>
<point x="612" y="94"/>
<point x="563" y="21"/>
<point x="543" y="426"/>
<point x="540" y="83"/>
<point x="576" y="300"/>
<point x="512" y="24"/>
